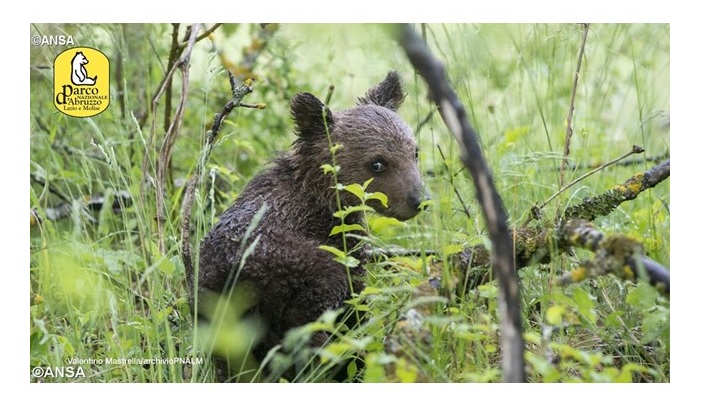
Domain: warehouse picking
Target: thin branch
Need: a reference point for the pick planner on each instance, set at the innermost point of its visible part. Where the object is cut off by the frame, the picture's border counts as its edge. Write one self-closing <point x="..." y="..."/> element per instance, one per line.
<point x="167" y="76"/>
<point x="535" y="244"/>
<point x="569" y="119"/>
<point x="149" y="145"/>
<point x="601" y="205"/>
<point x="171" y="66"/>
<point x="238" y="93"/>
<point x="260" y="105"/>
<point x="537" y="209"/>
<point x="617" y="254"/>
<point x="182" y="63"/>
<point x="624" y="163"/>
<point x="202" y="36"/>
<point x="424" y="122"/>
<point x="453" y="185"/>
<point x="454" y="116"/>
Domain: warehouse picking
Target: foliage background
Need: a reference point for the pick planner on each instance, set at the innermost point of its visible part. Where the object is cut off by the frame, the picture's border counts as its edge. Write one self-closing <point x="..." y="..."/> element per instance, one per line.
<point x="515" y="80"/>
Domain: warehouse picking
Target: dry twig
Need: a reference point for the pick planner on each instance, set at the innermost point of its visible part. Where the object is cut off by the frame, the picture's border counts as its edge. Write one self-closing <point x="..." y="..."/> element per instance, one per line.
<point x="172" y="131"/>
<point x="238" y="93"/>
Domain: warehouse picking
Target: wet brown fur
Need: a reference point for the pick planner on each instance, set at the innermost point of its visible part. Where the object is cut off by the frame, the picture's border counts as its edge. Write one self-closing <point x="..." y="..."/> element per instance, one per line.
<point x="295" y="281"/>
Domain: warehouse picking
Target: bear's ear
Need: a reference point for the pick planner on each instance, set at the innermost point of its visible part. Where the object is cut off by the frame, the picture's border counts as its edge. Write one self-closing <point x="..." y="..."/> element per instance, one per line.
<point x="389" y="93"/>
<point x="308" y="118"/>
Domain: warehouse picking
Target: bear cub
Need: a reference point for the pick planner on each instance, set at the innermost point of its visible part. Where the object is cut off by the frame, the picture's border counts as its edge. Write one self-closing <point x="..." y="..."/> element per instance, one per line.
<point x="292" y="280"/>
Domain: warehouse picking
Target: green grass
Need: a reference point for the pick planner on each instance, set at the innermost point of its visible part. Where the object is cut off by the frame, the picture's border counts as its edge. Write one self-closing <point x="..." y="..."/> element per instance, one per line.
<point x="103" y="288"/>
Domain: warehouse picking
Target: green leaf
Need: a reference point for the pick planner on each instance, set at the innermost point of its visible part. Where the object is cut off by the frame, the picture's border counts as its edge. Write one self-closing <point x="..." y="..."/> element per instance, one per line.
<point x="356" y="190"/>
<point x="348" y="261"/>
<point x="337" y="252"/>
<point x="532" y="337"/>
<point x="346" y="212"/>
<point x="374" y="372"/>
<point x="371" y="290"/>
<point x="341" y="257"/>
<point x="584" y="302"/>
<point x="379" y="196"/>
<point x="381" y="224"/>
<point x="554" y="315"/>
<point x="613" y="319"/>
<point x="67" y="349"/>
<point x="328" y="168"/>
<point x="626" y="375"/>
<point x="166" y="266"/>
<point x="228" y="29"/>
<point x="643" y="296"/>
<point x="351" y="370"/>
<point x="656" y="325"/>
<point x="450" y="249"/>
<point x="335" y="148"/>
<point x="345" y="228"/>
<point x="543" y="367"/>
<point x="405" y="372"/>
<point x="488" y="291"/>
<point x="334" y="350"/>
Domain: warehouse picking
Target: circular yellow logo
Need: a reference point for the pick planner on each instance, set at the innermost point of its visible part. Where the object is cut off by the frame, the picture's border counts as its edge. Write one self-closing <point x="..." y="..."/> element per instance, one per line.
<point x="82" y="82"/>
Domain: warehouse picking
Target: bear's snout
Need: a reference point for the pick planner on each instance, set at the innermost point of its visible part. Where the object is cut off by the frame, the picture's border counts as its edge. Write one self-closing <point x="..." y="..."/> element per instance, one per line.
<point x="417" y="198"/>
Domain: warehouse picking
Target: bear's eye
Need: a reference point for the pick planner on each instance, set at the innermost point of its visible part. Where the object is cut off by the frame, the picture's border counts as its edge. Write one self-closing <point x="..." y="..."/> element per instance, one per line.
<point x="378" y="166"/>
<point x="416" y="154"/>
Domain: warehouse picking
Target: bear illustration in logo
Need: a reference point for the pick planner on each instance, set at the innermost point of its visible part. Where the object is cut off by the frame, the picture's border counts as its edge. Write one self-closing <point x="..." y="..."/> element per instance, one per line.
<point x="79" y="73"/>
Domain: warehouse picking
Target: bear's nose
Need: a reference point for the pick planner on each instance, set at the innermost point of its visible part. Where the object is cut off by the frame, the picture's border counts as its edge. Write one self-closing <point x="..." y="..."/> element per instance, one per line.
<point x="415" y="200"/>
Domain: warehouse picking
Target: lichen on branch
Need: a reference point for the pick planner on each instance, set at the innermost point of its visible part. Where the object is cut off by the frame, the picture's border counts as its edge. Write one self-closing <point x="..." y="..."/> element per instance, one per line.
<point x="602" y="205"/>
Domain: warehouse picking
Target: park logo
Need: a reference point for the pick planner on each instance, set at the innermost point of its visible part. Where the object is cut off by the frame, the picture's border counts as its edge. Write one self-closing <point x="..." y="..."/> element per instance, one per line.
<point x="82" y="82"/>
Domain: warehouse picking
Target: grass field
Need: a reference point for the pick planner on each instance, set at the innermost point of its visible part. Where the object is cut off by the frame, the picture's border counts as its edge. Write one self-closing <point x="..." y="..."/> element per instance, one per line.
<point x="107" y="281"/>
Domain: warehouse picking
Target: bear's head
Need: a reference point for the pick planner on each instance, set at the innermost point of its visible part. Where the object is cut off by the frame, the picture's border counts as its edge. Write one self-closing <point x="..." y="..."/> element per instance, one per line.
<point x="375" y="143"/>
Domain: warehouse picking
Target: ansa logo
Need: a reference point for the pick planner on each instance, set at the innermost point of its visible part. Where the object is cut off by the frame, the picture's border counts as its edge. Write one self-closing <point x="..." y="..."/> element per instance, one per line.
<point x="82" y="82"/>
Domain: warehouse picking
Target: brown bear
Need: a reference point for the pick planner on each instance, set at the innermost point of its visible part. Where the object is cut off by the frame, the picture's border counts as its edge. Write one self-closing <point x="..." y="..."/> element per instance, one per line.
<point x="294" y="280"/>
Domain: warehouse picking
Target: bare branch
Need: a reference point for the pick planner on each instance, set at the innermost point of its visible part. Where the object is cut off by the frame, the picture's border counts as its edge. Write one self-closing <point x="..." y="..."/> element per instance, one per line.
<point x="238" y="93"/>
<point x="202" y="36"/>
<point x="182" y="63"/>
